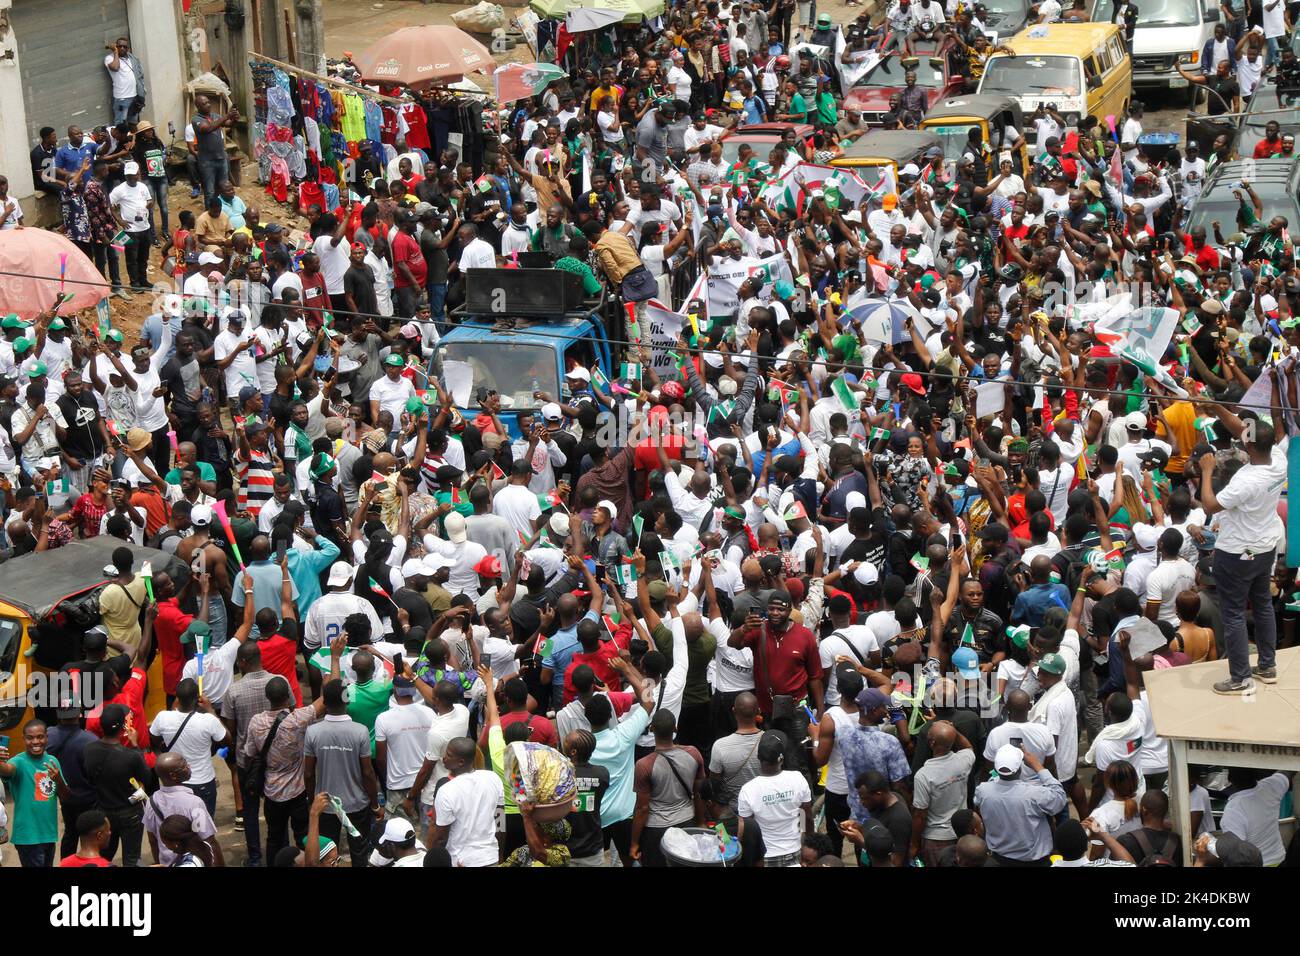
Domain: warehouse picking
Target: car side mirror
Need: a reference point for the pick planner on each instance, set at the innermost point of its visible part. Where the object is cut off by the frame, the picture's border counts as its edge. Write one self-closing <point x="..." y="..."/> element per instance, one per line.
<point x="1211" y="13"/>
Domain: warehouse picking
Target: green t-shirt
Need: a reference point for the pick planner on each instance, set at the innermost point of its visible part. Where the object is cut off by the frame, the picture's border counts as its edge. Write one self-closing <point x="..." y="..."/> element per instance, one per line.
<point x="590" y="284"/>
<point x="366" y="702"/>
<point x="698" y="654"/>
<point x="799" y="107"/>
<point x="206" y="473"/>
<point x="36" y="803"/>
<point x="826" y="111"/>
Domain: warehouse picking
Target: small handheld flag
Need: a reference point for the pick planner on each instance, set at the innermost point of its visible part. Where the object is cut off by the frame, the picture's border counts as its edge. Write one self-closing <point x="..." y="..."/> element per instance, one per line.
<point x="146" y="572"/>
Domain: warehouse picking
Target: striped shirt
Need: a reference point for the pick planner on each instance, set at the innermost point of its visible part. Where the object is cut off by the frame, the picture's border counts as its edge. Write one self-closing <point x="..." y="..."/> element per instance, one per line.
<point x="256" y="481"/>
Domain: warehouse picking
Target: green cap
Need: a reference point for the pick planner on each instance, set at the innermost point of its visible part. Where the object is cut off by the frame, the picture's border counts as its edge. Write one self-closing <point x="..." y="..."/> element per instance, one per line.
<point x="322" y="465"/>
<point x="395" y="360"/>
<point x="1052" y="663"/>
<point x="734" y="512"/>
<point x="113" y="335"/>
<point x="11" y="321"/>
<point x="57" y="325"/>
<point x="22" y="345"/>
<point x="196" y="629"/>
<point x="658" y="590"/>
<point x="37" y="370"/>
<point x="1019" y="635"/>
<point x="414" y="405"/>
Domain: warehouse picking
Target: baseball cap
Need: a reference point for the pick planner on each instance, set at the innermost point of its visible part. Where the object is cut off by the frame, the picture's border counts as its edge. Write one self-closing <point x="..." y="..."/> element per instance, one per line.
<point x="870" y="698"/>
<point x="1146" y="535"/>
<point x="1232" y="850"/>
<point x="130" y="169"/>
<point x="889" y="201"/>
<point x="488" y="567"/>
<point x="610" y="508"/>
<point x="37" y="370"/>
<point x="1052" y="663"/>
<point x="658" y="590"/>
<point x="1008" y="760"/>
<point x="580" y="373"/>
<point x="413" y="567"/>
<point x="966" y="662"/>
<point x="551" y="412"/>
<point x="1135" y="421"/>
<point x="1211" y="306"/>
<point x="866" y="573"/>
<point x="402" y="687"/>
<point x="559" y="524"/>
<point x="201" y="515"/>
<point x="340" y="574"/>
<point x="395" y="360"/>
<point x="208" y="259"/>
<point x="398" y="830"/>
<point x="454" y="525"/>
<point x="433" y="563"/>
<point x="913" y="381"/>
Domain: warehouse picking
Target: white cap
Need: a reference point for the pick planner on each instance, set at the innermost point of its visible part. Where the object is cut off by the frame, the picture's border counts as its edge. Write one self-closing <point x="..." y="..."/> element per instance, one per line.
<point x="854" y="499"/>
<point x="609" y="507"/>
<point x="1146" y="536"/>
<point x="413" y="567"/>
<point x="208" y="259"/>
<point x="340" y="574"/>
<point x="726" y="386"/>
<point x="454" y="525"/>
<point x="397" y="830"/>
<point x="712" y="359"/>
<point x="559" y="524"/>
<point x="1008" y="759"/>
<point x="580" y="373"/>
<point x="201" y="515"/>
<point x="1135" y="421"/>
<point x="852" y="215"/>
<point x="909" y="170"/>
<point x="130" y="169"/>
<point x="865" y="573"/>
<point x="434" y="562"/>
<point x="409" y="331"/>
<point x="551" y="412"/>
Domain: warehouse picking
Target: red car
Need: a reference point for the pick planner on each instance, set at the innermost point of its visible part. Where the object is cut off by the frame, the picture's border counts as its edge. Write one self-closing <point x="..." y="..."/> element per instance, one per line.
<point x="871" y="94"/>
<point x="762" y="137"/>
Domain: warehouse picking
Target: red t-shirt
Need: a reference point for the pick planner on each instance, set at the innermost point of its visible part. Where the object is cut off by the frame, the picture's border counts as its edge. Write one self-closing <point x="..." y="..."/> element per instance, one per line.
<point x="132" y="698"/>
<point x="598" y="660"/>
<point x="167" y="631"/>
<point x="314" y="295"/>
<point x="540" y="730"/>
<point x="88" y="514"/>
<point x="79" y="861"/>
<point x="791" y="663"/>
<point x="1206" y="256"/>
<point x="279" y="656"/>
<point x="1264" y="149"/>
<point x="406" y="249"/>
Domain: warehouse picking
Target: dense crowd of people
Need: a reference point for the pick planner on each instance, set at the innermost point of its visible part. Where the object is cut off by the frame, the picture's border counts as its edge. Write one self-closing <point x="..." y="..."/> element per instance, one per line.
<point x="829" y="594"/>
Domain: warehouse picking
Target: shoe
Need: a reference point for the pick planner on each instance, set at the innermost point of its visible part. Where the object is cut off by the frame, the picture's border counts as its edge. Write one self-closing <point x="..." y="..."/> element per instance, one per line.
<point x="194" y="192"/>
<point x="123" y="294"/>
<point x="1230" y="687"/>
<point x="1266" y="674"/>
<point x="252" y="863"/>
<point x="239" y="822"/>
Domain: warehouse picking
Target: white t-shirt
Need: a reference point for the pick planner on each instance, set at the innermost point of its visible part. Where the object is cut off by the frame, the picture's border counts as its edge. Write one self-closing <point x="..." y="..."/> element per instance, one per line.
<point x="218" y="672"/>
<point x="1061" y="721"/>
<point x="132" y="204"/>
<point x="123" y="79"/>
<point x="1155" y="753"/>
<point x="518" y="505"/>
<point x="1252" y="815"/>
<point x="477" y="255"/>
<point x="884" y="625"/>
<point x="837" y="644"/>
<point x="329" y="611"/>
<point x="391" y="394"/>
<point x="404" y="729"/>
<point x="334" y="261"/>
<point x="1110" y="817"/>
<point x="243" y="370"/>
<point x="442" y="730"/>
<point x="1249" y="517"/>
<point x="775" y="803"/>
<point x="1166" y="582"/>
<point x="1273" y="20"/>
<point x="15" y="211"/>
<point x="195" y="742"/>
<point x="269" y="339"/>
<point x="1034" y="738"/>
<point x="467" y="804"/>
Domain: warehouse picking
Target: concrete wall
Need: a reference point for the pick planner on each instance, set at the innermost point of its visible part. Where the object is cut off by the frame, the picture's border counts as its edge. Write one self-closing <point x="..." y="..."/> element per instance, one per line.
<point x="154" y="39"/>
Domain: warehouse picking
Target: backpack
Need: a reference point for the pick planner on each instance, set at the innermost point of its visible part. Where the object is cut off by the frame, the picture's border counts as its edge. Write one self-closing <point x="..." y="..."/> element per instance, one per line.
<point x="1150" y="856"/>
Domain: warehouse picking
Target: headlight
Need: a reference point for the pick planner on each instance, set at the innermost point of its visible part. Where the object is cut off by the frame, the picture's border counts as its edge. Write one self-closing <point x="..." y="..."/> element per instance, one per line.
<point x="1194" y="56"/>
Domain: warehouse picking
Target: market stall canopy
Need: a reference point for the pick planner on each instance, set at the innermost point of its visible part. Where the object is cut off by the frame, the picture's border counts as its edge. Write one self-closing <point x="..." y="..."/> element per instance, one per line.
<point x="37" y="265"/>
<point x="590" y="18"/>
<point x="633" y="11"/>
<point x="423" y="55"/>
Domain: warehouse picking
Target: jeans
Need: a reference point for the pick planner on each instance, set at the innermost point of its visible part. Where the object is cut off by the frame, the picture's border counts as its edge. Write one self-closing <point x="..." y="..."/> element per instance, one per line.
<point x="138" y="247"/>
<point x="1241" y="579"/>
<point x="358" y="846"/>
<point x="405" y="299"/>
<point x="217" y="620"/>
<point x="437" y="304"/>
<point x="158" y="186"/>
<point x="36" y="855"/>
<point x="104" y="253"/>
<point x="837" y="811"/>
<point x="1272" y="59"/>
<point x="252" y="826"/>
<point x="122" y="111"/>
<point x="212" y="173"/>
<point x="161" y="452"/>
<point x="280" y="816"/>
<point x="127" y="828"/>
<point x="207" y="792"/>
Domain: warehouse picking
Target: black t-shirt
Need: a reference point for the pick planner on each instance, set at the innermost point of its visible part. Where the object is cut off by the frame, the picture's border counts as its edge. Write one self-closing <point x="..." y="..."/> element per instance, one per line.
<point x="586" y="838"/>
<point x="109" y="768"/>
<point x="1226" y="89"/>
<point x="1162" y="842"/>
<point x="281" y="409"/>
<point x="82" y="438"/>
<point x="416" y="607"/>
<point x="897" y="819"/>
<point x="359" y="283"/>
<point x="326" y="511"/>
<point x="438" y="260"/>
<point x="986" y="632"/>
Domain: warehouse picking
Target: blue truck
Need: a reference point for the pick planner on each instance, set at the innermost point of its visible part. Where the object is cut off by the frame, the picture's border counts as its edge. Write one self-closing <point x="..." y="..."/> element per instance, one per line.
<point x="516" y="334"/>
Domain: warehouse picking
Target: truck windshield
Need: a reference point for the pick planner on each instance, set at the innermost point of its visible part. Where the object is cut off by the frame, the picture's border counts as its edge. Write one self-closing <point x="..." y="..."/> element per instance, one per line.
<point x="513" y="371"/>
<point x="954" y="138"/>
<point x="11" y="635"/>
<point x="1155" y="13"/>
<point x="1033" y="74"/>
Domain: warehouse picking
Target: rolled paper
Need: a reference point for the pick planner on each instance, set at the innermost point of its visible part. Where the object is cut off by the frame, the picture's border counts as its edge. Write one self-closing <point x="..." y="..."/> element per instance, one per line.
<point x="220" y="509"/>
<point x="63" y="270"/>
<point x="146" y="572"/>
<point x="171" y="437"/>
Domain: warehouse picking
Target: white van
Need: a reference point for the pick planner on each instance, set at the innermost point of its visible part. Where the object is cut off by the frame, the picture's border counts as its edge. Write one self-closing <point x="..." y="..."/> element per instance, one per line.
<point x="1166" y="31"/>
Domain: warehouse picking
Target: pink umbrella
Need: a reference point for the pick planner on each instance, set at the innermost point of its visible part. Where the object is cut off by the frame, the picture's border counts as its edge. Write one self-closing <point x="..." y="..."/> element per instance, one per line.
<point x="423" y="55"/>
<point x="37" y="265"/>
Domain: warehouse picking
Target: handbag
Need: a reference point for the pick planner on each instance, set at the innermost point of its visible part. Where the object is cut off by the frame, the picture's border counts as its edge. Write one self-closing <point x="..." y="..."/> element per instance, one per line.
<point x="639" y="285"/>
<point x="256" y="775"/>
